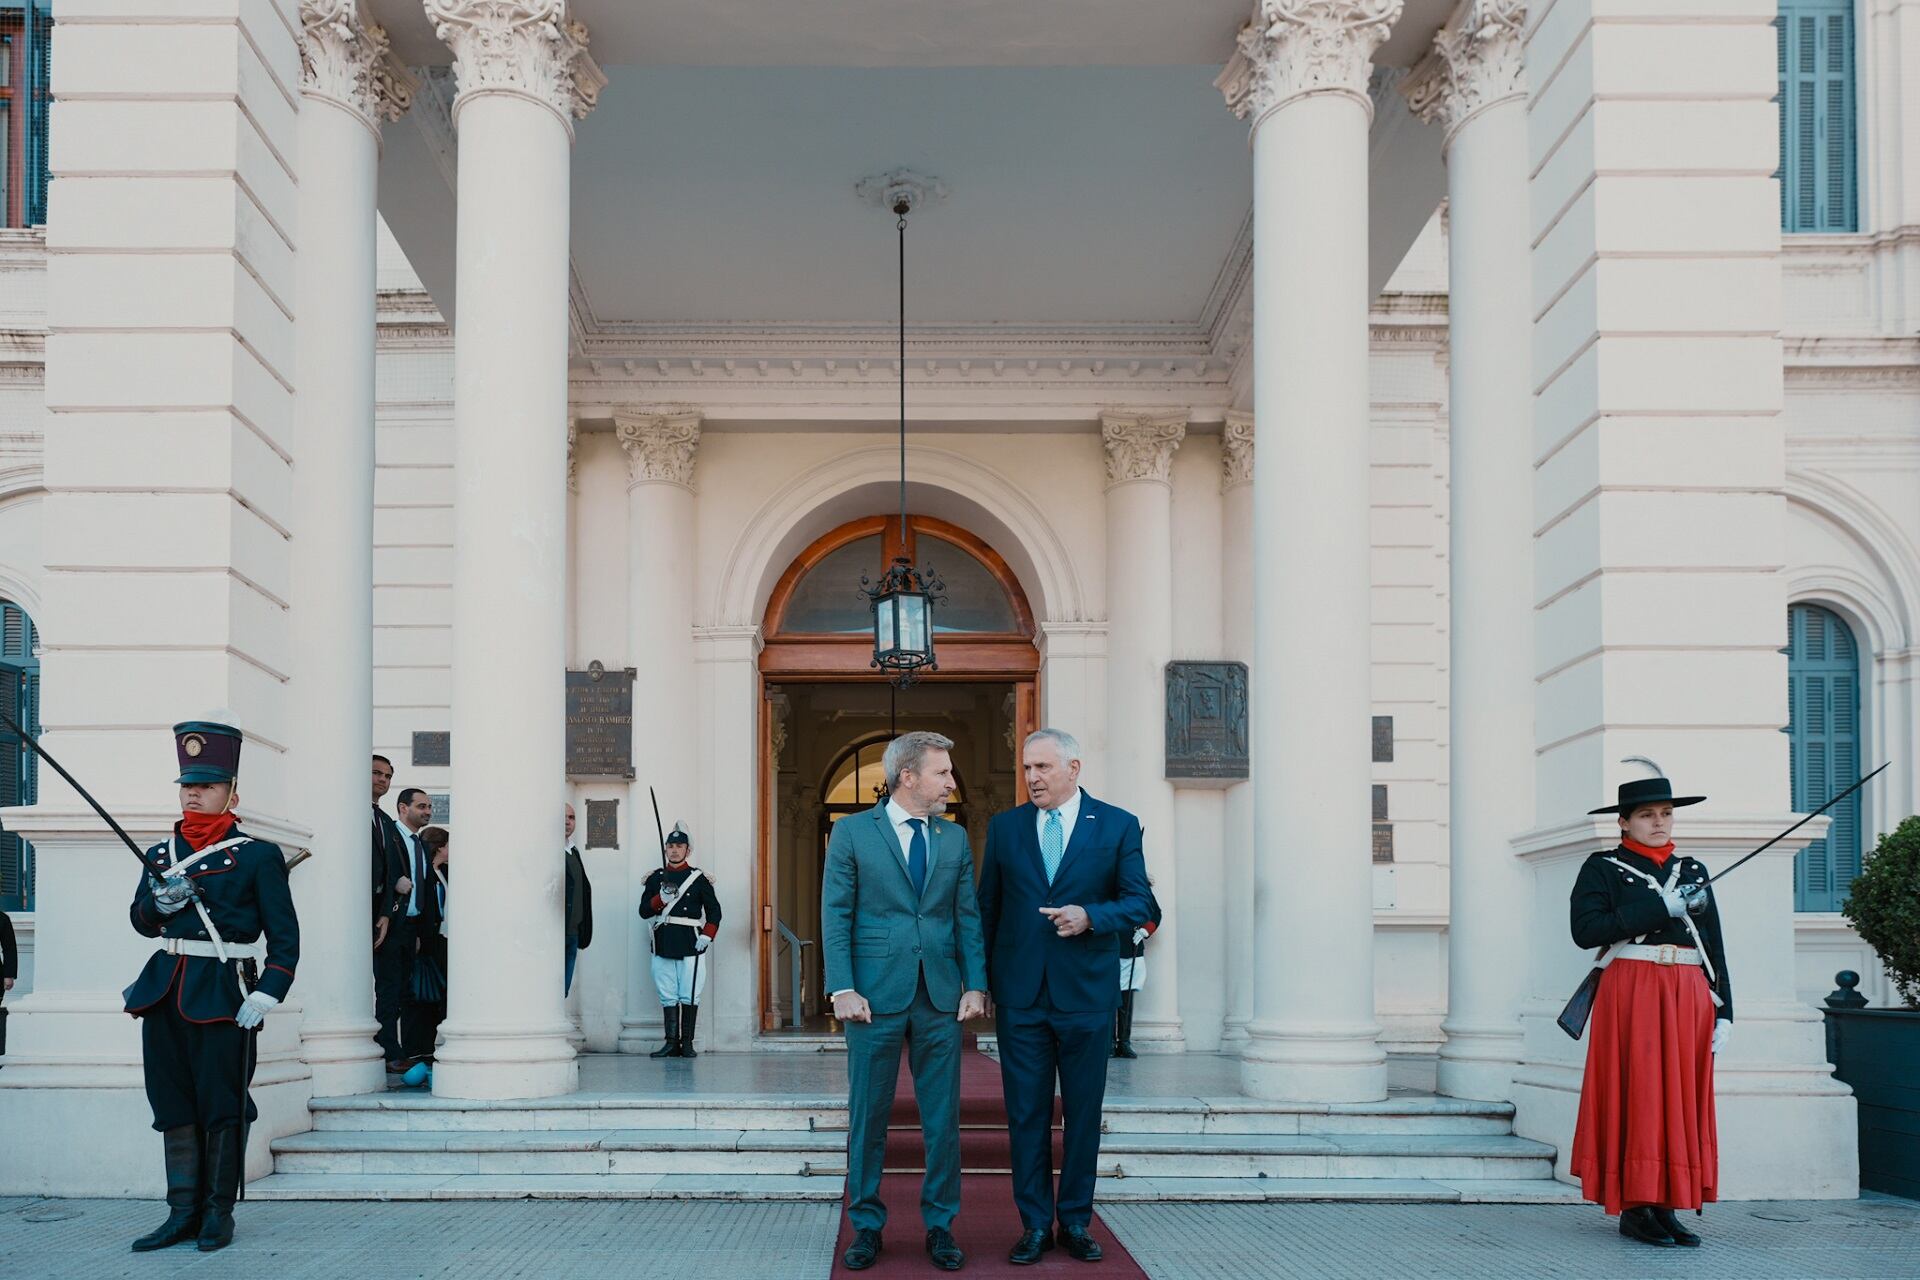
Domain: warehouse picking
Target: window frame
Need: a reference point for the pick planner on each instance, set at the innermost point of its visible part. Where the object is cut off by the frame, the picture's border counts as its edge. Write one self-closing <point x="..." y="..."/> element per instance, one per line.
<point x="1789" y="96"/>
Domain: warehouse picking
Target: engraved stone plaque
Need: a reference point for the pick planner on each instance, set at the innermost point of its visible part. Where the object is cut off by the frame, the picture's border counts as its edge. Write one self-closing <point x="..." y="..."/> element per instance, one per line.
<point x="603" y="824"/>
<point x="600" y="723"/>
<point x="1383" y="842"/>
<point x="442" y="807"/>
<point x="433" y="748"/>
<point x="1206" y="720"/>
<point x="1383" y="739"/>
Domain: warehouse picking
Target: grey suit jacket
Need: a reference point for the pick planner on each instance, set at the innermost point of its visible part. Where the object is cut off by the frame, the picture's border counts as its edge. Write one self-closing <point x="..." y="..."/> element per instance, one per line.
<point x="877" y="938"/>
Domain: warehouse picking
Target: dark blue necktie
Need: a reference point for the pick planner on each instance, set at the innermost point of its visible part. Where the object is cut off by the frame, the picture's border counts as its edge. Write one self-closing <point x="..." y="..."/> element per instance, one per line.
<point x="917" y="855"/>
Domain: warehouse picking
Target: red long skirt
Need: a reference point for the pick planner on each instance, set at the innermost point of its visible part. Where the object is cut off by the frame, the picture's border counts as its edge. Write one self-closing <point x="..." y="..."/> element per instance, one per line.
<point x="1646" y="1134"/>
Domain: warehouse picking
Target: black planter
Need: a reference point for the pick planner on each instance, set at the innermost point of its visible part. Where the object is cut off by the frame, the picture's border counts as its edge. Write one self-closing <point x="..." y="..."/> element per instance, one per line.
<point x="1877" y="1052"/>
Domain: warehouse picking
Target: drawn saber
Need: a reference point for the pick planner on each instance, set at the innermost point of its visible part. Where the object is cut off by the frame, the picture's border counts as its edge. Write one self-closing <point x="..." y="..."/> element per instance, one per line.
<point x="84" y="794"/>
<point x="1697" y="894"/>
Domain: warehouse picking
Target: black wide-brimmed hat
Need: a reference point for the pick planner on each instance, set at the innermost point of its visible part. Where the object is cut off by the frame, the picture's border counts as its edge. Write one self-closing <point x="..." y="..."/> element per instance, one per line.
<point x="1644" y="791"/>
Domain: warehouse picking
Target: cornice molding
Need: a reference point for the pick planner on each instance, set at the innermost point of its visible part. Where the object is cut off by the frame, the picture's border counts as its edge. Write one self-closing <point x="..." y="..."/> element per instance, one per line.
<point x="660" y="445"/>
<point x="1291" y="49"/>
<point x="533" y="49"/>
<point x="1478" y="60"/>
<point x="344" y="61"/>
<point x="1140" y="446"/>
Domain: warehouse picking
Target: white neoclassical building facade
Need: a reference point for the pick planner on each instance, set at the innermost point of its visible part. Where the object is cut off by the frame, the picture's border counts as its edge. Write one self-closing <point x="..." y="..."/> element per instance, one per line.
<point x="1444" y="362"/>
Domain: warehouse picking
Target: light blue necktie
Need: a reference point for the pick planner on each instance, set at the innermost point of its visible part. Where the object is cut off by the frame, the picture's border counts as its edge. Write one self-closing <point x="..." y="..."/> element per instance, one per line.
<point x="1052" y="845"/>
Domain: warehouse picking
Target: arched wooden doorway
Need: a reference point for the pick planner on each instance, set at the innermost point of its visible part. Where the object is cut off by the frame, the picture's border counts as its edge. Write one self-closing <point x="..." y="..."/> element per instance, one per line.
<point x="824" y="705"/>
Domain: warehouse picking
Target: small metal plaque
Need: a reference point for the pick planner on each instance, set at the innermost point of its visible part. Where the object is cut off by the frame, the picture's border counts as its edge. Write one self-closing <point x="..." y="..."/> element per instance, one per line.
<point x="434" y="747"/>
<point x="600" y="723"/>
<point x="1379" y="802"/>
<point x="1383" y="842"/>
<point x="603" y="824"/>
<point x="1206" y="720"/>
<point x="1383" y="739"/>
<point x="442" y="807"/>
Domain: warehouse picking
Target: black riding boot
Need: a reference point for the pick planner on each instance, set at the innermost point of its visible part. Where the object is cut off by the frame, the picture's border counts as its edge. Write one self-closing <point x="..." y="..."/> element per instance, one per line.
<point x="670" y="1015"/>
<point x="182" y="1149"/>
<point x="1681" y="1234"/>
<point x="224" y="1159"/>
<point x="689" y="1019"/>
<point x="1123" y="1031"/>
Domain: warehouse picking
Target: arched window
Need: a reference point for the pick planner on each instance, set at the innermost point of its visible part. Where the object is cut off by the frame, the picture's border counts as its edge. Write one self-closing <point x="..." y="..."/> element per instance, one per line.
<point x="856" y="782"/>
<point x="1823" y="706"/>
<point x="20" y="697"/>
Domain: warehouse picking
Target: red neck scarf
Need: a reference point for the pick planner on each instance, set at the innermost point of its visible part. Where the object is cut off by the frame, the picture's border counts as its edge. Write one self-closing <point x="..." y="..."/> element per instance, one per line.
<point x="201" y="829"/>
<point x="1659" y="853"/>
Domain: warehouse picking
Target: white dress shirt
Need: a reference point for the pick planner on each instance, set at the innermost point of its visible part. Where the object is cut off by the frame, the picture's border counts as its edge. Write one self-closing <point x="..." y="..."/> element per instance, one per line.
<point x="1069" y="814"/>
<point x="904" y="834"/>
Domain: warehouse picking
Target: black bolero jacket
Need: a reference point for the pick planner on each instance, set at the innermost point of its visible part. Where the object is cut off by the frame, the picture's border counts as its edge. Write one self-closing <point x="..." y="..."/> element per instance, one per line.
<point x="246" y="894"/>
<point x="1610" y="906"/>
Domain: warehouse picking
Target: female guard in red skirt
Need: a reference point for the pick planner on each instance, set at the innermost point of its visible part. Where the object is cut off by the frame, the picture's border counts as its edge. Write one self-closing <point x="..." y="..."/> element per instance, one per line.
<point x="1645" y="1145"/>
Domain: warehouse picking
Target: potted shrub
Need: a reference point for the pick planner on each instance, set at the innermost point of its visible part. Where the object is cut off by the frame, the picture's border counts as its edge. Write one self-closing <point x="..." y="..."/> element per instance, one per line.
<point x="1877" y="1051"/>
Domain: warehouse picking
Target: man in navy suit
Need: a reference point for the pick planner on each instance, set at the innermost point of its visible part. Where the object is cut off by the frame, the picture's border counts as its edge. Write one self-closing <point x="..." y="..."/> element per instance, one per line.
<point x="1064" y="884"/>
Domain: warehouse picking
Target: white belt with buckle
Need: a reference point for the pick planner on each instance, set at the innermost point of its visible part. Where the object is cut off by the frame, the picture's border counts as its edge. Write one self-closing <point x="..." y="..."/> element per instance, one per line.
<point x="1667" y="953"/>
<point x="255" y="950"/>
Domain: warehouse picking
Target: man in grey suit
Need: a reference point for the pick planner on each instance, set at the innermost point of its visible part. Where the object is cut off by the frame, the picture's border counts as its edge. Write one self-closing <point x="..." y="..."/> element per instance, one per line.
<point x="906" y="962"/>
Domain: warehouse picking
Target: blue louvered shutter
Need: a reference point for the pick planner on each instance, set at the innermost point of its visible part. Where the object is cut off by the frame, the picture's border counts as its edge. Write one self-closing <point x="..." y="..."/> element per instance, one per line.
<point x="20" y="698"/>
<point x="1818" y="185"/>
<point x="1823" y="699"/>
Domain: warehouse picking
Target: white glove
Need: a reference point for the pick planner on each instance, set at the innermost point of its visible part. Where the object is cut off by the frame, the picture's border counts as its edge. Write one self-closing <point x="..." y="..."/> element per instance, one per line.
<point x="1139" y="935"/>
<point x="253" y="1010"/>
<point x="1676" y="902"/>
<point x="171" y="894"/>
<point x="701" y="942"/>
<point x="1722" y="1032"/>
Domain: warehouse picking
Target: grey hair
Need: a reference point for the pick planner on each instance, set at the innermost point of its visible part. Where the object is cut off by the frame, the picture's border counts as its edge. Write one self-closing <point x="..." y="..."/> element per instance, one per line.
<point x="1068" y="745"/>
<point x="908" y="750"/>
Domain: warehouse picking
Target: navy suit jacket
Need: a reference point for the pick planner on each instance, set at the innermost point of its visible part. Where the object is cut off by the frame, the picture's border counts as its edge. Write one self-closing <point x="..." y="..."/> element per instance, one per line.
<point x="1103" y="870"/>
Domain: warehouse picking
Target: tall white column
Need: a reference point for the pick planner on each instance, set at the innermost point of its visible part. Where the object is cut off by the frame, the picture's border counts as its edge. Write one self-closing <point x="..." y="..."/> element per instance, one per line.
<point x="1139" y="644"/>
<point x="660" y="451"/>
<point x="1236" y="569"/>
<point x="1473" y="83"/>
<point x="523" y="75"/>
<point x="348" y="84"/>
<point x="1300" y="75"/>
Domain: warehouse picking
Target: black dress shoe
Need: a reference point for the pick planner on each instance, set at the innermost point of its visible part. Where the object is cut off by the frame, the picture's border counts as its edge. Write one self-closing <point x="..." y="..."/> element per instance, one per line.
<point x="1673" y="1227"/>
<point x="945" y="1253"/>
<point x="1027" y="1250"/>
<point x="1079" y="1244"/>
<point x="1640" y="1224"/>
<point x="864" y="1249"/>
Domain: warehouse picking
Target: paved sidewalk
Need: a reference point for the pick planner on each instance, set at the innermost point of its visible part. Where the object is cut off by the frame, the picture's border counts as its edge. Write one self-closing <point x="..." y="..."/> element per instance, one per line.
<point x="1877" y="1238"/>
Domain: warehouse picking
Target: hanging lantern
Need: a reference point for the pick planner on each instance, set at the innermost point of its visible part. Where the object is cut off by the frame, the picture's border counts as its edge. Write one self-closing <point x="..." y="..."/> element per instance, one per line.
<point x="903" y="599"/>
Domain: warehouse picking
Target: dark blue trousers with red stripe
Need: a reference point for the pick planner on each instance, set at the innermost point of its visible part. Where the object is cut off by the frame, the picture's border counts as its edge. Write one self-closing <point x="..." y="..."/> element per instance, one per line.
<point x="197" y="1072"/>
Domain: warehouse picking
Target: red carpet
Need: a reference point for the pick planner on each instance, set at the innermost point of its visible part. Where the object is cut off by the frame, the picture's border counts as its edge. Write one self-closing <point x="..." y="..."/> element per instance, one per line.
<point x="988" y="1223"/>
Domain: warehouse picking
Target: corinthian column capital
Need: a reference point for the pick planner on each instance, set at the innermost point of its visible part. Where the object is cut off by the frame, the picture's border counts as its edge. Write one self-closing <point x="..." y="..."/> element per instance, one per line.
<point x="1236" y="450"/>
<point x="1140" y="445"/>
<point x="1291" y="48"/>
<point x="660" y="446"/>
<point x="1478" y="59"/>
<point x="528" y="48"/>
<point x="344" y="61"/>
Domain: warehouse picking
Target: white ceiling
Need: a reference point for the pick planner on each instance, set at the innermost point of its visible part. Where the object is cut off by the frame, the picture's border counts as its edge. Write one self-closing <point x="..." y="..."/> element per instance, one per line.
<point x="1077" y="196"/>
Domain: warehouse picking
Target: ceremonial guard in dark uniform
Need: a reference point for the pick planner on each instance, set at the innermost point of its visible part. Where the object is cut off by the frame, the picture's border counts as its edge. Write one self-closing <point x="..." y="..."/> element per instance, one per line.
<point x="1645" y="1144"/>
<point x="1133" y="976"/>
<point x="209" y="986"/>
<point x="680" y="901"/>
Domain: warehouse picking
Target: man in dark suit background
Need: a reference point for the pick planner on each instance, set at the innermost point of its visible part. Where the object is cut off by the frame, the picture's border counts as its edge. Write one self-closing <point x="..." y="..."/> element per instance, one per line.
<point x="1063" y="886"/>
<point x="390" y="888"/>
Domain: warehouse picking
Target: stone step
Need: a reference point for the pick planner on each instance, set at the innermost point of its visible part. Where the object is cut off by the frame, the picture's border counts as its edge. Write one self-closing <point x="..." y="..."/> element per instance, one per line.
<point x="635" y="1186"/>
<point x="799" y="1153"/>
<point x="422" y="1112"/>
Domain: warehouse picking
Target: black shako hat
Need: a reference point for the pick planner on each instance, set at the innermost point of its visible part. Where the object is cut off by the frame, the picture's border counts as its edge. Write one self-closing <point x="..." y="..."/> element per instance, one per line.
<point x="208" y="751"/>
<point x="677" y="836"/>
<point x="1644" y="791"/>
